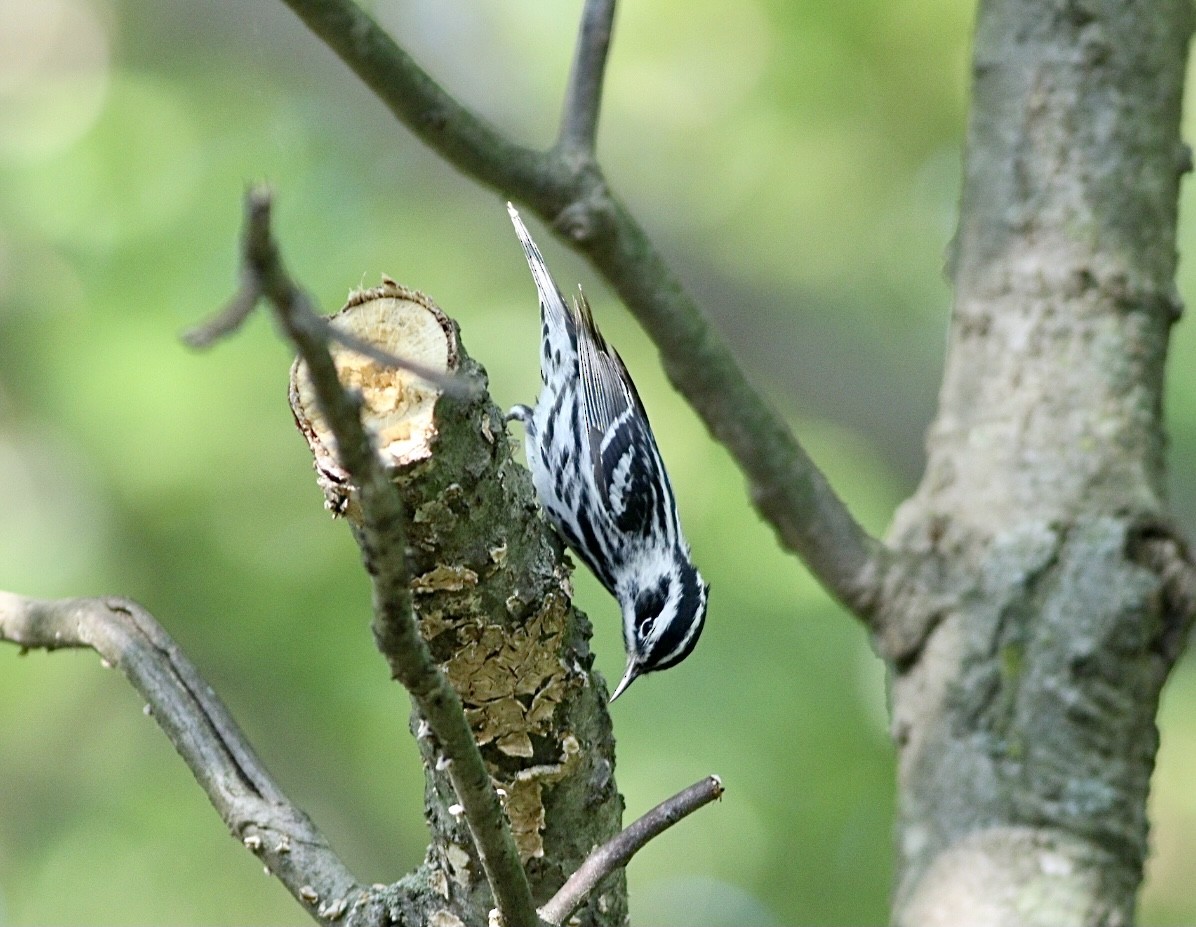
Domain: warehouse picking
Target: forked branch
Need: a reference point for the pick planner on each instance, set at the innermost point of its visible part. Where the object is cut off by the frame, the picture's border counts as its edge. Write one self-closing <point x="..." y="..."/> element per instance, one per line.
<point x="572" y="195"/>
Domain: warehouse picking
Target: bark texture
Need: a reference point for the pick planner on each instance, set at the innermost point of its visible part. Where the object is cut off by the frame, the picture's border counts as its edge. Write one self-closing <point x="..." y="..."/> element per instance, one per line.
<point x="1036" y="610"/>
<point x="493" y="603"/>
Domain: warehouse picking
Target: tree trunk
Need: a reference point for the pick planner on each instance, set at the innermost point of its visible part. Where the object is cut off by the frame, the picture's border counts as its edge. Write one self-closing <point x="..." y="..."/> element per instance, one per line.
<point x="492" y="598"/>
<point x="1039" y="608"/>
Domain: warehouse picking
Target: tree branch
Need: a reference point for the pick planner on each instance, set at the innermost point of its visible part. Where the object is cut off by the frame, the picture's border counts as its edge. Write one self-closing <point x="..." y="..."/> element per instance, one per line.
<point x="786" y="486"/>
<point x="461" y="136"/>
<point x="126" y="636"/>
<point x="572" y="195"/>
<point x="583" y="98"/>
<point x="617" y="851"/>
<point x="384" y="544"/>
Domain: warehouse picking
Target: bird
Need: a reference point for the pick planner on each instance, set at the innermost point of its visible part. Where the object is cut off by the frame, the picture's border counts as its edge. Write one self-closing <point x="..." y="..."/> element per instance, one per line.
<point x="601" y="480"/>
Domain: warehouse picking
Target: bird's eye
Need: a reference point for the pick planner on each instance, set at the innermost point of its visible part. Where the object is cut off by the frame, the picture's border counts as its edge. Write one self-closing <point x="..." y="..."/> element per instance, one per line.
<point x="648" y="606"/>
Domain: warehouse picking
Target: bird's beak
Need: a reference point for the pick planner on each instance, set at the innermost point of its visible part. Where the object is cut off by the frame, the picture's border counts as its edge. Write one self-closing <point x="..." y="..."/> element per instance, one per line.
<point x="629" y="675"/>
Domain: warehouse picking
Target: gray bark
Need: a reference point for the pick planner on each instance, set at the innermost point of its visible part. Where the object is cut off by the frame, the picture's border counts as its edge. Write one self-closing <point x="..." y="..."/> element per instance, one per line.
<point x="1043" y="595"/>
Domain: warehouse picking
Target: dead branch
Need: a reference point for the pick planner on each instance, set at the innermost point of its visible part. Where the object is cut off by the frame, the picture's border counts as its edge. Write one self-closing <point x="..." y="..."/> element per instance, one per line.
<point x="255" y="809"/>
<point x="617" y="851"/>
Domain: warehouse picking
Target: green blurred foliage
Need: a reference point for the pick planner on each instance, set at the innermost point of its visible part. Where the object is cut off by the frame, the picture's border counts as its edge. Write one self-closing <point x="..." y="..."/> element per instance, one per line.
<point x="797" y="162"/>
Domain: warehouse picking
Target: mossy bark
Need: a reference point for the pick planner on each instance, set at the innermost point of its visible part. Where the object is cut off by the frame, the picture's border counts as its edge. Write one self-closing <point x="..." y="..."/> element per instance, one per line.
<point x="491" y="592"/>
<point x="1037" y="617"/>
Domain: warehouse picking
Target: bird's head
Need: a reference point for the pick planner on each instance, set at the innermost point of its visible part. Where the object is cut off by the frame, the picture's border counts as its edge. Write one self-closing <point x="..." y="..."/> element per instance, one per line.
<point x="662" y="619"/>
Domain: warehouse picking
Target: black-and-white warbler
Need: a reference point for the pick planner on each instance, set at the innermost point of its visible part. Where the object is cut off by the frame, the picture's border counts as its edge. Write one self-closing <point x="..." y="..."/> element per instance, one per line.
<point x="600" y="478"/>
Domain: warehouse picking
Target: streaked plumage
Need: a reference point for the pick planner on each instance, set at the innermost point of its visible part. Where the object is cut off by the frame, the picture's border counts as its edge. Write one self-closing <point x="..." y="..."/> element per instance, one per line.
<point x="602" y="482"/>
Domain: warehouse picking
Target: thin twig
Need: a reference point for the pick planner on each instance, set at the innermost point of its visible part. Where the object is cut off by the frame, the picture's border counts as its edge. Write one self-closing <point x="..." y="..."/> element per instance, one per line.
<point x="573" y="197"/>
<point x="239" y="308"/>
<point x="126" y="636"/>
<point x="223" y="323"/>
<point x="617" y="852"/>
<point x="451" y="383"/>
<point x="384" y="542"/>
<point x="583" y="97"/>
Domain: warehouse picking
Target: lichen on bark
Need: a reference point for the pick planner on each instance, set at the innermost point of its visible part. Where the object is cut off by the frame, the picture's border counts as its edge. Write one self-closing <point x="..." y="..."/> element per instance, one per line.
<point x="492" y="596"/>
<point x="1027" y="635"/>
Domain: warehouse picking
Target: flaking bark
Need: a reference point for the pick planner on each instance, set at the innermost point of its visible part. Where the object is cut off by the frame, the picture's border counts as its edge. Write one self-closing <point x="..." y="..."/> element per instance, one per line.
<point x="493" y="603"/>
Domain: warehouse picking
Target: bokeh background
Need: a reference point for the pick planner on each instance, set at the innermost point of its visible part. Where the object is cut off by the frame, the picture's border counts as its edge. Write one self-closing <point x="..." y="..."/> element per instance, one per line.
<point x="797" y="163"/>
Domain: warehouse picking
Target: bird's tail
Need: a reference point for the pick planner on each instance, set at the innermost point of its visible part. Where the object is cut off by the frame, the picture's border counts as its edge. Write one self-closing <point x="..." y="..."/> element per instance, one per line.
<point x="559" y="334"/>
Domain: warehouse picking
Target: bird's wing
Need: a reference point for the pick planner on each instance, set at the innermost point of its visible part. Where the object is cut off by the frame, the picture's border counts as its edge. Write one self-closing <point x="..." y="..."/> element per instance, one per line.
<point x="628" y="470"/>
